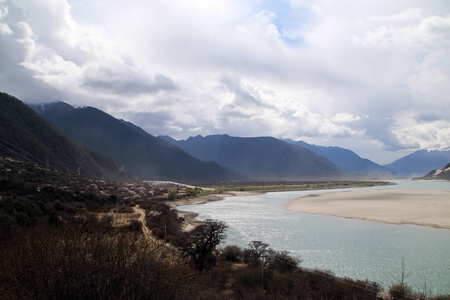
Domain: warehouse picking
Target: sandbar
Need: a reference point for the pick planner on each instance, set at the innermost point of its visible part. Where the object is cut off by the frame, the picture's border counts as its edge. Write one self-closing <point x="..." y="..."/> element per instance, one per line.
<point x="393" y="206"/>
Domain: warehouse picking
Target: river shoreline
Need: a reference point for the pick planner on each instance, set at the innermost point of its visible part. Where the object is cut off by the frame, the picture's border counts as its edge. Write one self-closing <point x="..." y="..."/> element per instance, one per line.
<point x="418" y="207"/>
<point x="191" y="220"/>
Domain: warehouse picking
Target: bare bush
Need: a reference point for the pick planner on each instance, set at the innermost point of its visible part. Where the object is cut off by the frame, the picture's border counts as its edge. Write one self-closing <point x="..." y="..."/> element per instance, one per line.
<point x="90" y="260"/>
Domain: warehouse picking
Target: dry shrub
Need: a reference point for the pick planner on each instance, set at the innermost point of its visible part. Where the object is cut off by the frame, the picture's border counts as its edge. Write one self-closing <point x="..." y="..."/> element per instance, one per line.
<point x="89" y="260"/>
<point x="125" y="210"/>
<point x="232" y="253"/>
<point x="135" y="226"/>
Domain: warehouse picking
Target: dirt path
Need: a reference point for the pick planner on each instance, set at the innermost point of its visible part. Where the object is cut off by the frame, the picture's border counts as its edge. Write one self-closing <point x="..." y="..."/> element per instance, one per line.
<point x="141" y="219"/>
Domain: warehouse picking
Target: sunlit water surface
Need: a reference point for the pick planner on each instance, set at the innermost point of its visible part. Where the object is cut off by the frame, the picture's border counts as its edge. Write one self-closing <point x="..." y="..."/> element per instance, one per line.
<point x="347" y="247"/>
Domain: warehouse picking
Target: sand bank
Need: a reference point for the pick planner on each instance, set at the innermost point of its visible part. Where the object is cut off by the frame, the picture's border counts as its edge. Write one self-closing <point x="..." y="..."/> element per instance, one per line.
<point x="419" y="207"/>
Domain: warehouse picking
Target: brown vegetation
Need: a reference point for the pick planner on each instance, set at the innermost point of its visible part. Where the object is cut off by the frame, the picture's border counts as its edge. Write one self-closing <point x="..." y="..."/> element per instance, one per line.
<point x="89" y="259"/>
<point x="59" y="240"/>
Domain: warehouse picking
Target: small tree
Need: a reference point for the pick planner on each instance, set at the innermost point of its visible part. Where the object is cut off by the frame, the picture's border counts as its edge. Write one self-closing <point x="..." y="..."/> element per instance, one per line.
<point x="172" y="195"/>
<point x="200" y="243"/>
<point x="401" y="290"/>
<point x="282" y="261"/>
<point x="255" y="252"/>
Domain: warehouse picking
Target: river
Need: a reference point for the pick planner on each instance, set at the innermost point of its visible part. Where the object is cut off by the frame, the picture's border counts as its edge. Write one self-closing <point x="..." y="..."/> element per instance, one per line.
<point x="348" y="247"/>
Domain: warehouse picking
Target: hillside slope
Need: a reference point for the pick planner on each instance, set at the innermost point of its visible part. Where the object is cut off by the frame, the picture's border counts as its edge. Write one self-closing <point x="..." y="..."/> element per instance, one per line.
<point x="25" y="135"/>
<point x="438" y="174"/>
<point x="139" y="152"/>
<point x="260" y="157"/>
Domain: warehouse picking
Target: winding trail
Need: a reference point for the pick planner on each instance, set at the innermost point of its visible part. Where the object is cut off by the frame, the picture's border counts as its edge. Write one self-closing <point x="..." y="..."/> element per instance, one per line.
<point x="141" y="219"/>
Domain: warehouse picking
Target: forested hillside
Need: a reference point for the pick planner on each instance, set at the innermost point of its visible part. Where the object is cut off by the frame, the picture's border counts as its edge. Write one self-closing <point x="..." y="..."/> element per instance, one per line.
<point x="27" y="136"/>
<point x="138" y="152"/>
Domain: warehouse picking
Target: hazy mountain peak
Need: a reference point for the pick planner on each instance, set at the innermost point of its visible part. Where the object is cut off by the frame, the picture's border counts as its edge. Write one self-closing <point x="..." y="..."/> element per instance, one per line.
<point x="57" y="106"/>
<point x="260" y="157"/>
<point x="346" y="159"/>
<point x="420" y="162"/>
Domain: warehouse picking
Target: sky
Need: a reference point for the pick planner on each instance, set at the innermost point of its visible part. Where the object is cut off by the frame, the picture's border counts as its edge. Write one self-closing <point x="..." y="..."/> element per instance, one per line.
<point x="372" y="76"/>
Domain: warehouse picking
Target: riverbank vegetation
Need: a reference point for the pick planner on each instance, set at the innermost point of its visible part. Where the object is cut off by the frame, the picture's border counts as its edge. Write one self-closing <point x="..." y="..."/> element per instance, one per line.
<point x="273" y="185"/>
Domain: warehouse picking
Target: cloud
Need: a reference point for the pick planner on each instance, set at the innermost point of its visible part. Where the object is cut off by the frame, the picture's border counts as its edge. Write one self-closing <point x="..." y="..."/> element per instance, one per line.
<point x="371" y="72"/>
<point x="345" y="118"/>
<point x="431" y="135"/>
<point x="427" y="117"/>
<point x="4" y="29"/>
<point x="127" y="82"/>
<point x="424" y="33"/>
<point x="73" y="60"/>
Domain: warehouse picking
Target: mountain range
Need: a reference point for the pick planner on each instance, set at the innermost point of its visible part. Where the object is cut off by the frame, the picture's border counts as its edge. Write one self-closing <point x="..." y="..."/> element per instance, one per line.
<point x="24" y="135"/>
<point x="140" y="153"/>
<point x="262" y="158"/>
<point x="95" y="143"/>
<point x="347" y="160"/>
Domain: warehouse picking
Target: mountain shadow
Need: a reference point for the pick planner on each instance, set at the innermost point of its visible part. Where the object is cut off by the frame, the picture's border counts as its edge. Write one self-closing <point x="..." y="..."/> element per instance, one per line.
<point x="263" y="158"/>
<point x="26" y="136"/>
<point x="140" y="153"/>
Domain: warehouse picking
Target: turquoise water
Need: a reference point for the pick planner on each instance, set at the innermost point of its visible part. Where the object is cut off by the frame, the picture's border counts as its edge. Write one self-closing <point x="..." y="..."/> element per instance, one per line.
<point x="347" y="247"/>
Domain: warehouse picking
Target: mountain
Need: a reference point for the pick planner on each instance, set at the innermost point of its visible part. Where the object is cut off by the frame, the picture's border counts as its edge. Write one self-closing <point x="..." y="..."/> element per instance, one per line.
<point x="346" y="159"/>
<point x="260" y="157"/>
<point x="420" y="162"/>
<point x="140" y="153"/>
<point x="26" y="136"/>
<point x="438" y="174"/>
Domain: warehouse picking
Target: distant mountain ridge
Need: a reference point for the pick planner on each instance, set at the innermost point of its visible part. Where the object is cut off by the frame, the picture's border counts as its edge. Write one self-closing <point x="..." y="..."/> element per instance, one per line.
<point x="420" y="162"/>
<point x="26" y="136"/>
<point x="260" y="157"/>
<point x="438" y="174"/>
<point x="346" y="159"/>
<point x="142" y="154"/>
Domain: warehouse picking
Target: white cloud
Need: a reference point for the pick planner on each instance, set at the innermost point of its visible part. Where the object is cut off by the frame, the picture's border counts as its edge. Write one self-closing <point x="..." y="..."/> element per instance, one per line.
<point x="424" y="34"/>
<point x="3" y="11"/>
<point x="4" y="29"/>
<point x="344" y="117"/>
<point x="433" y="135"/>
<point x="301" y="68"/>
<point x="410" y="14"/>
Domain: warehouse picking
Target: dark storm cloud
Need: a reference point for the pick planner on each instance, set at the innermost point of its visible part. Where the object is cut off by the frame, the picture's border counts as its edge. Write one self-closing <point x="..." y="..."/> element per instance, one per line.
<point x="129" y="84"/>
<point x="427" y="117"/>
<point x="379" y="128"/>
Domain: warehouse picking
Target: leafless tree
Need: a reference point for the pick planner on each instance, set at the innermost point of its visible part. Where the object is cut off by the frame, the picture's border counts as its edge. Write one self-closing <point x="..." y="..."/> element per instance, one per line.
<point x="200" y="243"/>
